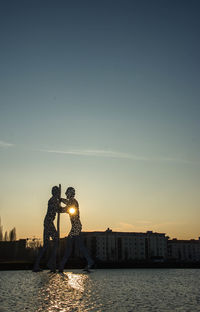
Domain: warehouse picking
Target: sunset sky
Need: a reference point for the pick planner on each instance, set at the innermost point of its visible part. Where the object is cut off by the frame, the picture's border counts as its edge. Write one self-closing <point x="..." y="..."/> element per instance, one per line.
<point x="102" y="96"/>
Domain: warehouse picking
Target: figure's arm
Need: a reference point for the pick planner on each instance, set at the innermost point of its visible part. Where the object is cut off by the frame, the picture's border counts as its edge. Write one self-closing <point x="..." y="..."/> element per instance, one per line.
<point x="62" y="209"/>
<point x="64" y="201"/>
<point x="57" y="206"/>
<point x="65" y="209"/>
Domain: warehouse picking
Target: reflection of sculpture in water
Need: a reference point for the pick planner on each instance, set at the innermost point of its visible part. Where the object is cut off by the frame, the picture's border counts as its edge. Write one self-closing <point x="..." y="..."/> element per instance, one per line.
<point x="50" y="231"/>
<point x="72" y="208"/>
<point x="62" y="292"/>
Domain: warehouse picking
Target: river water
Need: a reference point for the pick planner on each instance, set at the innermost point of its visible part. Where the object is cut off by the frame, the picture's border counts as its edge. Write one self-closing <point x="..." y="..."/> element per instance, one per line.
<point x="123" y="290"/>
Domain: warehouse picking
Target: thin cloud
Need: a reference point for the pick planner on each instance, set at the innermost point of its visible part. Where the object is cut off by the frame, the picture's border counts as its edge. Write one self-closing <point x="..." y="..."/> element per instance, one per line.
<point x="5" y="144"/>
<point x="97" y="153"/>
<point x="123" y="226"/>
<point x="143" y="226"/>
<point x="133" y="227"/>
<point x="144" y="222"/>
<point x="169" y="223"/>
<point x="115" y="154"/>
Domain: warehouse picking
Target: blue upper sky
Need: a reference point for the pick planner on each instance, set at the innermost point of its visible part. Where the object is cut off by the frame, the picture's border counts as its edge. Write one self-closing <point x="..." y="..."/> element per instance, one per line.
<point x="103" y="95"/>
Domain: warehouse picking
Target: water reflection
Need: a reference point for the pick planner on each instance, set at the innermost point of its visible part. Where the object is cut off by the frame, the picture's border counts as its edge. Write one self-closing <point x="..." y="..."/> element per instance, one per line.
<point x="105" y="290"/>
<point x="62" y="292"/>
<point x="76" y="281"/>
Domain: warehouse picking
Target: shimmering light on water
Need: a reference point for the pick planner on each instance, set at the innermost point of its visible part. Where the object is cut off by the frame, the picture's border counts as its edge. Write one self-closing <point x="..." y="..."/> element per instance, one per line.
<point x="103" y="290"/>
<point x="62" y="292"/>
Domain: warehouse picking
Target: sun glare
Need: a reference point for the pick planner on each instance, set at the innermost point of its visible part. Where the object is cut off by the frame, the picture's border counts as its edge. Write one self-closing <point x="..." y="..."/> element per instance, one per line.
<point x="72" y="210"/>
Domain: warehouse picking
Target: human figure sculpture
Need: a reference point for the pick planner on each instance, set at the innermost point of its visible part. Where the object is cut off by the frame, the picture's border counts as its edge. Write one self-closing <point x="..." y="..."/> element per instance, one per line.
<point x="50" y="231"/>
<point x="72" y="208"/>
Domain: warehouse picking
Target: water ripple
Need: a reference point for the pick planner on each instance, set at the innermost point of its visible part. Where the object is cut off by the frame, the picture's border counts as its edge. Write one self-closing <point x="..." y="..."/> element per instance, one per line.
<point x="131" y="290"/>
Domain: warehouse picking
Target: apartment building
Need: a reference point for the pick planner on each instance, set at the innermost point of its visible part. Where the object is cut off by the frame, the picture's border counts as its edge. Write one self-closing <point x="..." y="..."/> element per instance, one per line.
<point x="184" y="250"/>
<point x="123" y="246"/>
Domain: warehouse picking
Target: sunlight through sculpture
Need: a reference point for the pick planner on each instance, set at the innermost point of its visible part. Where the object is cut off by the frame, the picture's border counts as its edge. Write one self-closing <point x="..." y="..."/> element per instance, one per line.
<point x="72" y="208"/>
<point x="72" y="211"/>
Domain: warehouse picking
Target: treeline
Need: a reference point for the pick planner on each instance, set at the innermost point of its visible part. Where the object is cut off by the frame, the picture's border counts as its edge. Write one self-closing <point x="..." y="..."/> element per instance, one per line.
<point x="7" y="236"/>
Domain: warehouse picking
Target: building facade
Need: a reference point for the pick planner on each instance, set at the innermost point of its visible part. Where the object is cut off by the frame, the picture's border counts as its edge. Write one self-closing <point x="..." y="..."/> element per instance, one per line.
<point x="184" y="250"/>
<point x="113" y="246"/>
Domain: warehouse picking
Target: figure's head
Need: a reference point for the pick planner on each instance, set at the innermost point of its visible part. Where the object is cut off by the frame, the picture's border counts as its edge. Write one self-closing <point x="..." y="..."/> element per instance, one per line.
<point x="70" y="192"/>
<point x="55" y="191"/>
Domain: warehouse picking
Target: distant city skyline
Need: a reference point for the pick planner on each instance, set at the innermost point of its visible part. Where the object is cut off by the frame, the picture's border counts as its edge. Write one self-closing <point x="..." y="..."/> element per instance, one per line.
<point x="6" y="235"/>
<point x="102" y="96"/>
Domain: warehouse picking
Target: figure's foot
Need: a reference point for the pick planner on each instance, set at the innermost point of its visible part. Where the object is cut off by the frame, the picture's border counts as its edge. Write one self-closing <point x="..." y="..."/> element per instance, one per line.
<point x="51" y="267"/>
<point x="52" y="271"/>
<point x="88" y="267"/>
<point x="60" y="270"/>
<point x="37" y="269"/>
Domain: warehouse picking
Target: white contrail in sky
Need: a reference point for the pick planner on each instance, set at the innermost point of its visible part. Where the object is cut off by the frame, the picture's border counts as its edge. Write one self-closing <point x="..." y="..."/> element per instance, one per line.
<point x="5" y="144"/>
<point x="114" y="154"/>
<point x="102" y="153"/>
<point x="108" y="154"/>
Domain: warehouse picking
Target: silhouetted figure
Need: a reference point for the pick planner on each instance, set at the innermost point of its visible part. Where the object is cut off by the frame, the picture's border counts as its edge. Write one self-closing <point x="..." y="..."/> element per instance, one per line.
<point x="50" y="231"/>
<point x="72" y="208"/>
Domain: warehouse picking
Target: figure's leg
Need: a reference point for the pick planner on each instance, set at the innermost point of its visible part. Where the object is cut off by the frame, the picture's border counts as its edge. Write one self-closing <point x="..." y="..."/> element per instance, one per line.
<point x="42" y="250"/>
<point x="52" y="260"/>
<point x="68" y="250"/>
<point x="84" y="251"/>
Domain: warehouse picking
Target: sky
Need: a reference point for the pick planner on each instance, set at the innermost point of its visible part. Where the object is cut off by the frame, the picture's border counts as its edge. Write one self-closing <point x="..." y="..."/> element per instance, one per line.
<point x="102" y="96"/>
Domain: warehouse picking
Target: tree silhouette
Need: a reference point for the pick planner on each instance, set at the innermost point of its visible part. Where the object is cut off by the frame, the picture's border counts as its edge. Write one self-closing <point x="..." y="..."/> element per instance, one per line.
<point x="6" y="236"/>
<point x="1" y="231"/>
<point x="12" y="235"/>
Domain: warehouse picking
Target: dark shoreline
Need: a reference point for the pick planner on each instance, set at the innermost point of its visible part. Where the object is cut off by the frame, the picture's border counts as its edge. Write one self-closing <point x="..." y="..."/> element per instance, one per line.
<point x="7" y="266"/>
